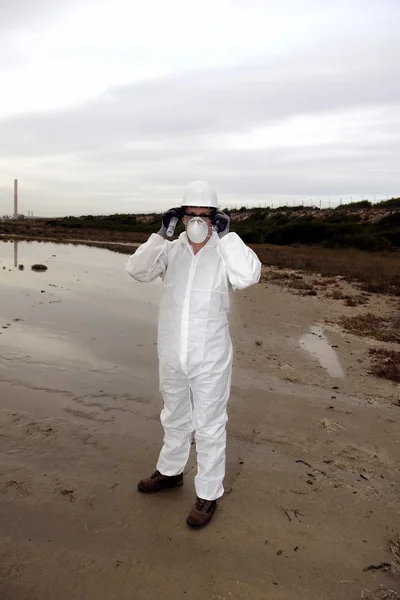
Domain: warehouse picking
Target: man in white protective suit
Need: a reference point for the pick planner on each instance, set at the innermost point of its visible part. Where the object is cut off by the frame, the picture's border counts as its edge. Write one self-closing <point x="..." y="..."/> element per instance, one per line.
<point x="199" y="270"/>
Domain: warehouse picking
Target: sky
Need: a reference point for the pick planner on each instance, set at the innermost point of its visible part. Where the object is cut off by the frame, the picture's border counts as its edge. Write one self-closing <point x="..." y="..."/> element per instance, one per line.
<point x="115" y="107"/>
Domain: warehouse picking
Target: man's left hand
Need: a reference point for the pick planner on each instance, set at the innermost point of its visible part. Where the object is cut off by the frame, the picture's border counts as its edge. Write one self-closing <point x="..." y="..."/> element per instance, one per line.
<point x="221" y="222"/>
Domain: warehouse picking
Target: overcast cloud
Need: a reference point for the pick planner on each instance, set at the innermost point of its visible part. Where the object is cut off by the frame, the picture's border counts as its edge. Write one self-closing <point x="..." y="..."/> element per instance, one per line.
<point x="115" y="107"/>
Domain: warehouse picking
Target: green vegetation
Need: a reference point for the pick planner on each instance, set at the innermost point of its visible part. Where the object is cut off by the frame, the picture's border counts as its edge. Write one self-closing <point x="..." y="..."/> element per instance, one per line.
<point x="359" y="225"/>
<point x="392" y="203"/>
<point x="362" y="228"/>
<point x="117" y="222"/>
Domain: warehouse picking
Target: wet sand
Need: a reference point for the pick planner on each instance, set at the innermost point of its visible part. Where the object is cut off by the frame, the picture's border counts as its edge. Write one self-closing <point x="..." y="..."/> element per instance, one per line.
<point x="313" y="476"/>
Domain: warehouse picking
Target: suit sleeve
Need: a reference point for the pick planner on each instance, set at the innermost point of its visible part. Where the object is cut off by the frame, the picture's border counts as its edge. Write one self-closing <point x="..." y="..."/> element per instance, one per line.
<point x="150" y="260"/>
<point x="242" y="263"/>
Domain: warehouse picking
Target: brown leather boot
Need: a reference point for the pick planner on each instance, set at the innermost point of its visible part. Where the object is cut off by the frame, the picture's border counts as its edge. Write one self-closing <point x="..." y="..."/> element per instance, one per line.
<point x="158" y="482"/>
<point x="202" y="512"/>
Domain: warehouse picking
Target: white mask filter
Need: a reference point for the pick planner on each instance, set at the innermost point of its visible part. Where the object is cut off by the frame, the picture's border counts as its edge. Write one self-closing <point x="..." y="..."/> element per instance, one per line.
<point x="197" y="230"/>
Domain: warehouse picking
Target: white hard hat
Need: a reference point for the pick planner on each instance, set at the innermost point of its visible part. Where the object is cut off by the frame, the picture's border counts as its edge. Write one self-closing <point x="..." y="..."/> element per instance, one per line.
<point x="200" y="193"/>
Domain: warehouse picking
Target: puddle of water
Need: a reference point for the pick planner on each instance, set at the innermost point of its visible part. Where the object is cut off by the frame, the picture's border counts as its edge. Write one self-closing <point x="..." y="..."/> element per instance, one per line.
<point x="78" y="339"/>
<point x="316" y="344"/>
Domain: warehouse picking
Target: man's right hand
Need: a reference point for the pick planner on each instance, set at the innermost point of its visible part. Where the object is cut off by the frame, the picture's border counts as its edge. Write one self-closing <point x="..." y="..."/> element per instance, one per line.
<point x="177" y="212"/>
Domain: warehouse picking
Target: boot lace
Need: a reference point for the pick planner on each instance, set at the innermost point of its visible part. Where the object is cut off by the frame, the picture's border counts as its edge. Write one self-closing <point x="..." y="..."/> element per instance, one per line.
<point x="201" y="504"/>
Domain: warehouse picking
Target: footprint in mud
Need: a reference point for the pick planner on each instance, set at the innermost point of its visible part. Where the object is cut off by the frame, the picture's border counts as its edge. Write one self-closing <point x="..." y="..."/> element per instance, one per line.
<point x="356" y="458"/>
<point x="34" y="427"/>
<point x="21" y="488"/>
<point x="88" y="415"/>
<point x="68" y="494"/>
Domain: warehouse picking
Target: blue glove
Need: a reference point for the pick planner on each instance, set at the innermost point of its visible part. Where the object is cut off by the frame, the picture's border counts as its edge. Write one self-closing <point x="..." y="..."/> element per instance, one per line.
<point x="221" y="222"/>
<point x="177" y="212"/>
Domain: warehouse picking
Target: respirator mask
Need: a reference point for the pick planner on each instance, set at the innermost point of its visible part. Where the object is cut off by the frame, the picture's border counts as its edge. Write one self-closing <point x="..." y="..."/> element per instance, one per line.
<point x="197" y="230"/>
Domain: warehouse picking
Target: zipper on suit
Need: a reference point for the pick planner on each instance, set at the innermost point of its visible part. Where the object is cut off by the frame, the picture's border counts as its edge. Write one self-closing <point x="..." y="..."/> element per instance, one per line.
<point x="185" y="316"/>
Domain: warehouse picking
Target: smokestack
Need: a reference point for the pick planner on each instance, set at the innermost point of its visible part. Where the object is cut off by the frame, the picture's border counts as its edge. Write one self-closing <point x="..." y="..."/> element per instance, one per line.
<point x="15" y="198"/>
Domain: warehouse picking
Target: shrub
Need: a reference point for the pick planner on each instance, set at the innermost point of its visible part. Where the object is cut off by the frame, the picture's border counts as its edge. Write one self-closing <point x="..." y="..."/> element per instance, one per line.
<point x="386" y="329"/>
<point x="385" y="363"/>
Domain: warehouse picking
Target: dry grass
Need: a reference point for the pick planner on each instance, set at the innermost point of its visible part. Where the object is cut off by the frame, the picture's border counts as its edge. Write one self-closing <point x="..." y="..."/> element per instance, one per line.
<point x="386" y="364"/>
<point x="357" y="300"/>
<point x="385" y="329"/>
<point x="301" y="285"/>
<point x="295" y="282"/>
<point x="379" y="273"/>
<point x="336" y="295"/>
<point x="349" y="300"/>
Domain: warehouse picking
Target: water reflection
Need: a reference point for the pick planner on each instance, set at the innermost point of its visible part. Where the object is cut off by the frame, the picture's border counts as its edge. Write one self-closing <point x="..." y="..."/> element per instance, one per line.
<point x="81" y="329"/>
<point x="316" y="344"/>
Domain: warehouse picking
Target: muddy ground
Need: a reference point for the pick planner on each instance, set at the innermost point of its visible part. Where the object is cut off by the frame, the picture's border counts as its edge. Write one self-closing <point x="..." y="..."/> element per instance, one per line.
<point x="313" y="475"/>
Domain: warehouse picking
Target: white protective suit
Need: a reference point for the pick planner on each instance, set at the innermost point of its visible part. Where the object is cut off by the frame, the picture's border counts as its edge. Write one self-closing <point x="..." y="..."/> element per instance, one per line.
<point x="194" y="346"/>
